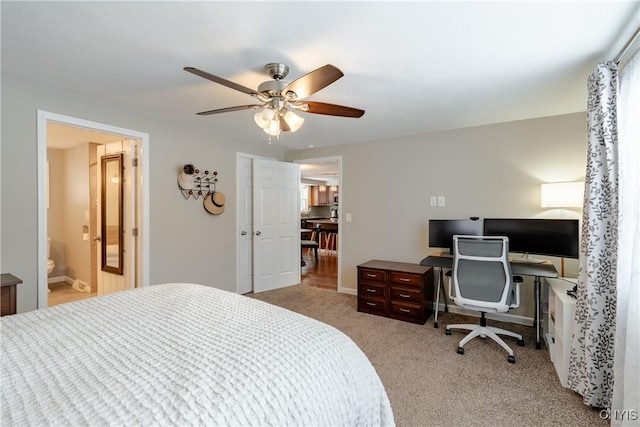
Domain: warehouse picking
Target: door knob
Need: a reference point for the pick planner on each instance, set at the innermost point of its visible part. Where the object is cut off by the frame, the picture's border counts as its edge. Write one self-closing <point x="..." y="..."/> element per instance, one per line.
<point x="258" y="233"/>
<point x="243" y="233"/>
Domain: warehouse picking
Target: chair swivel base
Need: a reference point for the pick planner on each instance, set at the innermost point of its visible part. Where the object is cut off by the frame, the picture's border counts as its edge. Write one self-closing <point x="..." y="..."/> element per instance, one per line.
<point x="484" y="332"/>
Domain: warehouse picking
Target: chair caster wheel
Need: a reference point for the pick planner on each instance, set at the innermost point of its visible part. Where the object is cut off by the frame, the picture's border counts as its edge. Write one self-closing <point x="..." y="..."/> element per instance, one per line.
<point x="461" y="351"/>
<point x="448" y="332"/>
<point x="511" y="359"/>
<point x="520" y="343"/>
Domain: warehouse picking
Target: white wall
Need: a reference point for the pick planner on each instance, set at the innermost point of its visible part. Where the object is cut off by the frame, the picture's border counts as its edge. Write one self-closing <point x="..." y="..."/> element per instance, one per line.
<point x="55" y="212"/>
<point x="78" y="263"/>
<point x="486" y="171"/>
<point x="187" y="244"/>
<point x="68" y="202"/>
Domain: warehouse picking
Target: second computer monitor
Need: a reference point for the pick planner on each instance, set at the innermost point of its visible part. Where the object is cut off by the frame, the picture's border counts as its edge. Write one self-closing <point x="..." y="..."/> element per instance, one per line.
<point x="441" y="231"/>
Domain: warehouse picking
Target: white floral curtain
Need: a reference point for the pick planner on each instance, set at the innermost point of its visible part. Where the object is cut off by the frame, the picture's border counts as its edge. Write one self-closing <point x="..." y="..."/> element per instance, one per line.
<point x="592" y="347"/>
<point x="626" y="366"/>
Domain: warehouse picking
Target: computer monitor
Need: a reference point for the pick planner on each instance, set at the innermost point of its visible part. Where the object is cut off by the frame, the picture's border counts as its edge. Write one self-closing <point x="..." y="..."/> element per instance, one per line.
<point x="551" y="237"/>
<point x="441" y="231"/>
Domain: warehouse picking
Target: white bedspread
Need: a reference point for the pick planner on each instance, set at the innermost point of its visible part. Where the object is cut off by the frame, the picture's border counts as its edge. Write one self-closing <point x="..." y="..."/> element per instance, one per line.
<point x="181" y="354"/>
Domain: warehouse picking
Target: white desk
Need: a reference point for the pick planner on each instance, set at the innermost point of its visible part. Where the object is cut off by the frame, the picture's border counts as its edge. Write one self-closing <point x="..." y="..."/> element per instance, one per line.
<point x="561" y="324"/>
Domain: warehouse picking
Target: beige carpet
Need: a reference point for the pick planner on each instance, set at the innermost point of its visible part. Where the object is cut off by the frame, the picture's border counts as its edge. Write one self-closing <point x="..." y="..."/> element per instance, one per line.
<point x="429" y="384"/>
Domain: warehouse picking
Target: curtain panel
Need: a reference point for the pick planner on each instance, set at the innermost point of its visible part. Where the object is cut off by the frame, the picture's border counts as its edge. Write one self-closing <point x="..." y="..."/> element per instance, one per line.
<point x="592" y="347"/>
<point x="626" y="380"/>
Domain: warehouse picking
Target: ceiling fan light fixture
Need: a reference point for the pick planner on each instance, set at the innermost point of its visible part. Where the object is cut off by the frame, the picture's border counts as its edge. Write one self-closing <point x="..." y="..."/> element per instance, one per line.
<point x="264" y="118"/>
<point x="293" y="120"/>
<point x="273" y="129"/>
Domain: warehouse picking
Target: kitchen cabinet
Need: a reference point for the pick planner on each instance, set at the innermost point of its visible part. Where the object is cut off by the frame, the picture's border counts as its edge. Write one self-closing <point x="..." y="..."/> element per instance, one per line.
<point x="322" y="198"/>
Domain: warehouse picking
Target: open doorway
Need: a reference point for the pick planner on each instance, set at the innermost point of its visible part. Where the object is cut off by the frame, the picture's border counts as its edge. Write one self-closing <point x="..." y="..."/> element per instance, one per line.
<point x="69" y="217"/>
<point x="320" y="221"/>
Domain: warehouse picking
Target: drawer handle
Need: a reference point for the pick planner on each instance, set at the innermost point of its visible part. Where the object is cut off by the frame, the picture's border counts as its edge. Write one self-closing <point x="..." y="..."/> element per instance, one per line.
<point x="373" y="291"/>
<point x="371" y="275"/>
<point x="405" y="296"/>
<point x="404" y="279"/>
<point x="373" y="304"/>
<point x="404" y="310"/>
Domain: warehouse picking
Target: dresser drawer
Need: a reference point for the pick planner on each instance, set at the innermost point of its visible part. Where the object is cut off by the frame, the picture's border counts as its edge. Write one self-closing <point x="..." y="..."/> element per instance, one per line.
<point x="407" y="311"/>
<point x="401" y="293"/>
<point x="406" y="279"/>
<point x="371" y="275"/>
<point x="366" y="289"/>
<point x="373" y="305"/>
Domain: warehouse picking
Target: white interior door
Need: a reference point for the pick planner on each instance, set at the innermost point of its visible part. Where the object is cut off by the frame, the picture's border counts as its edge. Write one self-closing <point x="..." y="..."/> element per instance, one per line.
<point x="109" y="282"/>
<point x="245" y="224"/>
<point x="276" y="225"/>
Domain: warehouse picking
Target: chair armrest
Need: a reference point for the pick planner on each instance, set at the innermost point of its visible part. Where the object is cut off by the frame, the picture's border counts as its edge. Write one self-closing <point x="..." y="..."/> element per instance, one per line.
<point x="515" y="291"/>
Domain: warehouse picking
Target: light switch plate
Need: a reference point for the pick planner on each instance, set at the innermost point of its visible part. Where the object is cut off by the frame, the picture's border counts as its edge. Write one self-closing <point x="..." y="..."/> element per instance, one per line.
<point x="440" y="201"/>
<point x="433" y="201"/>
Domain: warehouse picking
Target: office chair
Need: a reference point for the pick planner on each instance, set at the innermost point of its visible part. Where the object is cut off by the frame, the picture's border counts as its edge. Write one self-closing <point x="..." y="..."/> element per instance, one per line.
<point x="482" y="281"/>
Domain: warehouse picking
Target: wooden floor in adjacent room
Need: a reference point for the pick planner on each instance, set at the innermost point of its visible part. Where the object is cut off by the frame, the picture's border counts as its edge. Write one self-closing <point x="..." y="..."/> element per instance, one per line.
<point x="322" y="274"/>
<point x="62" y="292"/>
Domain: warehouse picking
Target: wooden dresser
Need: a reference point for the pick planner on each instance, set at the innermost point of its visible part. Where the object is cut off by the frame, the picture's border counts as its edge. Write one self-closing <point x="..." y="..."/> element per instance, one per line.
<point x="398" y="290"/>
<point x="8" y="294"/>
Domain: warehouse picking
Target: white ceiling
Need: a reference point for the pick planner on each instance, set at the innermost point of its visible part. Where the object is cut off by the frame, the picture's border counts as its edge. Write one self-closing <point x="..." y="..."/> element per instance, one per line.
<point x="415" y="67"/>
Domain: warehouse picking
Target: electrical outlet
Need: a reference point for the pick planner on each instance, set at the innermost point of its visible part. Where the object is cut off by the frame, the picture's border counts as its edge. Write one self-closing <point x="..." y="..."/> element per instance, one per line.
<point x="433" y="201"/>
<point x="440" y="201"/>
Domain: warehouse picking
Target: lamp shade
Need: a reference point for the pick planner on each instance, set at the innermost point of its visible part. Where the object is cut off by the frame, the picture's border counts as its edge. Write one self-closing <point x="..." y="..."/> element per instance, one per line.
<point x="273" y="128"/>
<point x="264" y="118"/>
<point x="562" y="195"/>
<point x="293" y="120"/>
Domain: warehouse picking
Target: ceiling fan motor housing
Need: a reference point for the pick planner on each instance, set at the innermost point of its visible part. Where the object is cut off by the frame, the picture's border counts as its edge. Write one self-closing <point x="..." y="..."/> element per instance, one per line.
<point x="272" y="87"/>
<point x="276" y="70"/>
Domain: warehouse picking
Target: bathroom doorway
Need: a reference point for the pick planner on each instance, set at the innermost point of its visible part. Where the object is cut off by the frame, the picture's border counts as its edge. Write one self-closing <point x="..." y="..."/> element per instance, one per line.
<point x="70" y="193"/>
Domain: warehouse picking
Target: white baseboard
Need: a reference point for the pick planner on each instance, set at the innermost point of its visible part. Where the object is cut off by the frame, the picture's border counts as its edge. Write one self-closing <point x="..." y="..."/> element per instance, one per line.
<point x="501" y="317"/>
<point x="59" y="279"/>
<point x="349" y="291"/>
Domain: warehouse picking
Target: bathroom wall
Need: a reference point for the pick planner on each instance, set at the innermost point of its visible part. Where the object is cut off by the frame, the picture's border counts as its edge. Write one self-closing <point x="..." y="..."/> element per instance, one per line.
<point x="68" y="212"/>
<point x="55" y="212"/>
<point x="77" y="213"/>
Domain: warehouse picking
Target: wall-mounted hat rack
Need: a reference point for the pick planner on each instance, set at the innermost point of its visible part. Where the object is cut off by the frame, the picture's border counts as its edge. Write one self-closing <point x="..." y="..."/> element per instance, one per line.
<point x="195" y="183"/>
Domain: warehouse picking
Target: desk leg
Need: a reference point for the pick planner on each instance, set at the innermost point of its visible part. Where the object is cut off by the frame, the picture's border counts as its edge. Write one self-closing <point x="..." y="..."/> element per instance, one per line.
<point x="437" y="308"/>
<point x="439" y="286"/>
<point x="537" y="289"/>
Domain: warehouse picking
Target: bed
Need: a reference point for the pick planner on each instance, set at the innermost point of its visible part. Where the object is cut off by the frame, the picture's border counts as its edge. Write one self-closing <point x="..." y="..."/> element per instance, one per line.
<point x="183" y="354"/>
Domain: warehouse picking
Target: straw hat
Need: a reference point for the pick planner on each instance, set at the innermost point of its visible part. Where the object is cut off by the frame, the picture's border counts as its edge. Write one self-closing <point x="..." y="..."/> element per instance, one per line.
<point x="214" y="203"/>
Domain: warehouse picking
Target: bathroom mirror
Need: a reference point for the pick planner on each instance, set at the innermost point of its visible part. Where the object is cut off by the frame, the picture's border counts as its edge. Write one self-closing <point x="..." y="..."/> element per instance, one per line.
<point x="112" y="216"/>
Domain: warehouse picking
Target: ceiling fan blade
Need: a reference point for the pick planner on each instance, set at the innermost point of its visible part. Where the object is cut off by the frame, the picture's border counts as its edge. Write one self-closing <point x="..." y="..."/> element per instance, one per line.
<point x="229" y="109"/>
<point x="221" y="81"/>
<point x="312" y="82"/>
<point x="331" y="109"/>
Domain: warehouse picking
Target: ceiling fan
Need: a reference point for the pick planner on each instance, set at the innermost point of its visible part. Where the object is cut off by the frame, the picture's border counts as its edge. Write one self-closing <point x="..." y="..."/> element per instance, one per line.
<point x="279" y="99"/>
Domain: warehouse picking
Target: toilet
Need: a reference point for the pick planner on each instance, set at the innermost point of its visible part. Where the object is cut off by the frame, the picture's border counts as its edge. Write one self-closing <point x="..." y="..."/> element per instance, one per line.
<point x="50" y="264"/>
